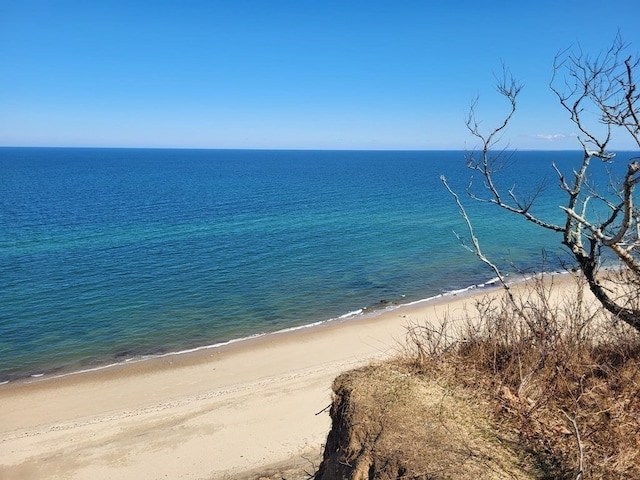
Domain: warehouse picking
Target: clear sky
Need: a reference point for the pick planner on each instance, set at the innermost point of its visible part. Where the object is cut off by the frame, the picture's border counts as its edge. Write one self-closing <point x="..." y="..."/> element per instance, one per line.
<point x="368" y="74"/>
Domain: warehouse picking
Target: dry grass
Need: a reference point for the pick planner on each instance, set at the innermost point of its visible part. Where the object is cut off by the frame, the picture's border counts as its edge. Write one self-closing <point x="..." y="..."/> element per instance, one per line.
<point x="562" y="376"/>
<point x="390" y="423"/>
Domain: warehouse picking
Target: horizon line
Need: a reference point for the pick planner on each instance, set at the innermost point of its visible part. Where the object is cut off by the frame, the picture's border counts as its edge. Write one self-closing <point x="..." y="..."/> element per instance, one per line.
<point x="301" y="149"/>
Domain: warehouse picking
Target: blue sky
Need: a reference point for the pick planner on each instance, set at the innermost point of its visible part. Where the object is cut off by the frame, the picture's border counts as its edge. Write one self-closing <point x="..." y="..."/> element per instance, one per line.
<point x="288" y="74"/>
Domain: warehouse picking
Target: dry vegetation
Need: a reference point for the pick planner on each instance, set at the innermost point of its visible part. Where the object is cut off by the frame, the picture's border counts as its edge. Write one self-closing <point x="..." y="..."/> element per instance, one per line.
<point x="390" y="423"/>
<point x="538" y="383"/>
<point x="561" y="375"/>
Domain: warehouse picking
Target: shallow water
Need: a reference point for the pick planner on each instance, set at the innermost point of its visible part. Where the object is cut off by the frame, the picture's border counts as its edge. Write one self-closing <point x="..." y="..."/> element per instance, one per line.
<point x="114" y="253"/>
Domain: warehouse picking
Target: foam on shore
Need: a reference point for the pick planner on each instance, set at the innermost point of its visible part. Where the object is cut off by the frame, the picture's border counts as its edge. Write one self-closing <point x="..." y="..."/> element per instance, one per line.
<point x="362" y="313"/>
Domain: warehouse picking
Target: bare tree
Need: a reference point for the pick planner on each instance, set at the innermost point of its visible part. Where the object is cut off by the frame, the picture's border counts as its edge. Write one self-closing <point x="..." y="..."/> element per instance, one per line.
<point x="600" y="95"/>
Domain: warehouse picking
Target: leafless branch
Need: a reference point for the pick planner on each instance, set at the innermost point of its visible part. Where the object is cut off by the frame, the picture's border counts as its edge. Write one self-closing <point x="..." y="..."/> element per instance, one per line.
<point x="579" y="474"/>
<point x="475" y="249"/>
<point x="599" y="94"/>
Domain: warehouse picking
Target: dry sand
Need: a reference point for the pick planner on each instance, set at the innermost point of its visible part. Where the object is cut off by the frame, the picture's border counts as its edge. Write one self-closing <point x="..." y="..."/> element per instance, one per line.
<point x="211" y="414"/>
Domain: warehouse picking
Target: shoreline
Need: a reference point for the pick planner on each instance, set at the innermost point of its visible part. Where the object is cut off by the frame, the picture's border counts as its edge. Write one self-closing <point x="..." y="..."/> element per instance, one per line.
<point x="357" y="315"/>
<point x="212" y="413"/>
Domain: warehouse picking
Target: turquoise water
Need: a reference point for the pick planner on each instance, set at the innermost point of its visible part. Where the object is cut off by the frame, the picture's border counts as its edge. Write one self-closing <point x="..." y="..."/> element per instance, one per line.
<point x="109" y="254"/>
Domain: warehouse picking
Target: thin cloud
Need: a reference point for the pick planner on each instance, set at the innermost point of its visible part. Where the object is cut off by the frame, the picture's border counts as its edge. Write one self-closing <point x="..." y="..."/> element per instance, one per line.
<point x="550" y="136"/>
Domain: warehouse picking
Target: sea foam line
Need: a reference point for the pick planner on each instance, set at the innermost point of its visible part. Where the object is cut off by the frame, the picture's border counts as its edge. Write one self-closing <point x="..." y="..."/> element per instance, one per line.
<point x="493" y="283"/>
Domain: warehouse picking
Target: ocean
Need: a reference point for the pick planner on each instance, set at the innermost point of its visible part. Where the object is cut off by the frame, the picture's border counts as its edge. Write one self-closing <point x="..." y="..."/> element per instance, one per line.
<point x="108" y="255"/>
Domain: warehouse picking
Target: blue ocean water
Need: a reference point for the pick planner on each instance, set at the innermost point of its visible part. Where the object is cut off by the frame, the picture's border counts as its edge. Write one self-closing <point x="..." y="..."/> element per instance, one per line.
<point x="109" y="254"/>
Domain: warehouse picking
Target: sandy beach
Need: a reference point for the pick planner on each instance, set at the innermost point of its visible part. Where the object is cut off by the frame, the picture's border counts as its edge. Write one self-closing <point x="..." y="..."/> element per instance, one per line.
<point x="210" y="414"/>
